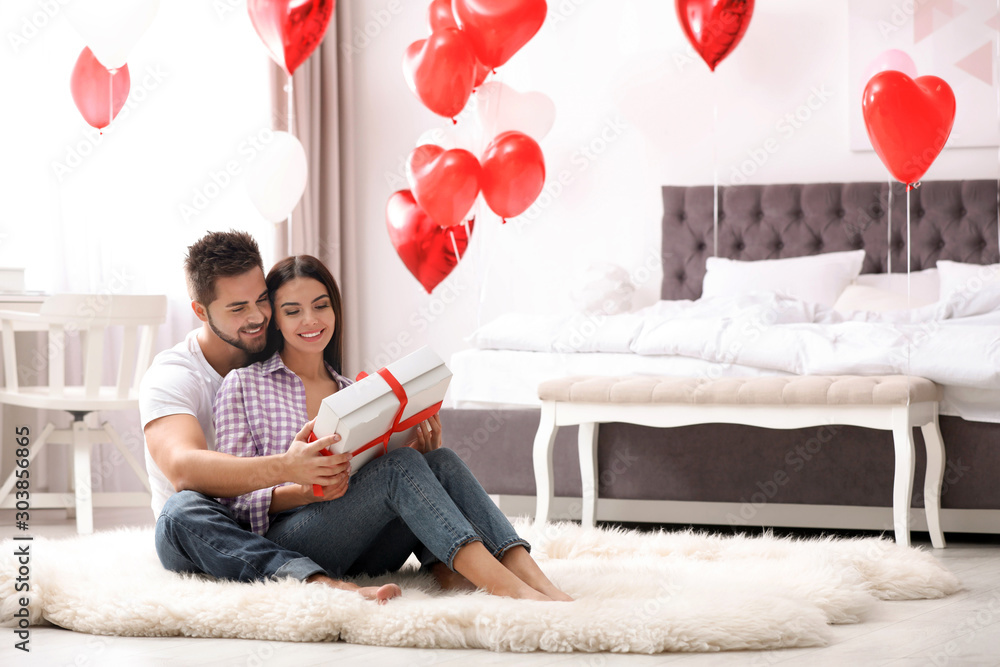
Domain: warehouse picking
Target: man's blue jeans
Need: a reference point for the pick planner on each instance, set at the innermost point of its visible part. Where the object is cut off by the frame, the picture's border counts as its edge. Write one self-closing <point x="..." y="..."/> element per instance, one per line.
<point x="401" y="503"/>
<point x="195" y="533"/>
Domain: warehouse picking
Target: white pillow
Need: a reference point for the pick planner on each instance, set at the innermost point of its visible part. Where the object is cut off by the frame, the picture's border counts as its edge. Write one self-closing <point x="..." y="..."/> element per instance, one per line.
<point x="924" y="285"/>
<point x="970" y="289"/>
<point x="872" y="299"/>
<point x="519" y="331"/>
<point x="816" y="278"/>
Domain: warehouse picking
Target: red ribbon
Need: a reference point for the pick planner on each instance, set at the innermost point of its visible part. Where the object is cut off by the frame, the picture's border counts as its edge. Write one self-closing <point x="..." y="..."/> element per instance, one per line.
<point x="396" y="427"/>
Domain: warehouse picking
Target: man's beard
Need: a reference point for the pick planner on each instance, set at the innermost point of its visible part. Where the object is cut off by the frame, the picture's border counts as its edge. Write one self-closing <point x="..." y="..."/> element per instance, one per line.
<point x="250" y="347"/>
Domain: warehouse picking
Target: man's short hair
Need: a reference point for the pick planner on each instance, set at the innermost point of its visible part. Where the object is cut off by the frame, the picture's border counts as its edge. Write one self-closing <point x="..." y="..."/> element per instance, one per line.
<point x="219" y="255"/>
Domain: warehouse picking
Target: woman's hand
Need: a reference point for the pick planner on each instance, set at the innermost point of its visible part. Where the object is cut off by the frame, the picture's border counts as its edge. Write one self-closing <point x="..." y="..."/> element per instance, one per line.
<point x="335" y="490"/>
<point x="428" y="435"/>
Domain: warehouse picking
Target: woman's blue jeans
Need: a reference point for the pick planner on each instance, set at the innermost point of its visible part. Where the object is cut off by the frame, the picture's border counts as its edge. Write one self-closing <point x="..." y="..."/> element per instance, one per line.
<point x="401" y="503"/>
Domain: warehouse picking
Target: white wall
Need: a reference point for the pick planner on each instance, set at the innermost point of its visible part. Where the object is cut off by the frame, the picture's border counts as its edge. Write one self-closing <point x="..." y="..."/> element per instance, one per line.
<point x="100" y="213"/>
<point x="629" y="88"/>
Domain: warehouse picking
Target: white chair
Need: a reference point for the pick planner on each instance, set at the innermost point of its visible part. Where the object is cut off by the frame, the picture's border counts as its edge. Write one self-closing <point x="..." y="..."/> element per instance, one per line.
<point x="93" y="317"/>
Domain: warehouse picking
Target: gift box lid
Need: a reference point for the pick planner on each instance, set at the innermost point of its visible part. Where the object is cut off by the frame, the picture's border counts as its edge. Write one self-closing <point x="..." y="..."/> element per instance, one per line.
<point x="365" y="410"/>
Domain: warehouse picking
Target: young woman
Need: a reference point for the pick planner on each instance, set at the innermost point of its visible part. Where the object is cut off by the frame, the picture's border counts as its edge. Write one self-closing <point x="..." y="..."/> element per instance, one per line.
<point x="421" y="500"/>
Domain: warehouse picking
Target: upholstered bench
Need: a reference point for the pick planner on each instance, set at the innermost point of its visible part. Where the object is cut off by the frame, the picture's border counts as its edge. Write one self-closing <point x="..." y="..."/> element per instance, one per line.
<point x="894" y="403"/>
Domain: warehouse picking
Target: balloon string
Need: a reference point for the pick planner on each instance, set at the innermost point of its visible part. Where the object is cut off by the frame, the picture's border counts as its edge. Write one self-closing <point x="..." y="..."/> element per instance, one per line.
<point x="715" y="170"/>
<point x="289" y="89"/>
<point x="908" y="253"/>
<point x="454" y="244"/>
<point x="111" y="101"/>
<point x="888" y="221"/>
<point x="482" y="257"/>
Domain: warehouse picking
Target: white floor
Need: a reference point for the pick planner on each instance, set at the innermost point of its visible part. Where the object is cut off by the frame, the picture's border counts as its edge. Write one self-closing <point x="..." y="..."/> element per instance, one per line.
<point x="963" y="629"/>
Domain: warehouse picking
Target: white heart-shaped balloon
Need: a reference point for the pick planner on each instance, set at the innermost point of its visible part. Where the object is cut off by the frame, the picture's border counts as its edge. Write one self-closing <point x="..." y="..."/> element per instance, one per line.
<point x="276" y="177"/>
<point x="111" y="28"/>
<point x="500" y="108"/>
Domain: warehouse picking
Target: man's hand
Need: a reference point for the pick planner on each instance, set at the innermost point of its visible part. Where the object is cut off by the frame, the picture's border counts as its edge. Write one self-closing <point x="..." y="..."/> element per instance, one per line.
<point x="428" y="435"/>
<point x="305" y="465"/>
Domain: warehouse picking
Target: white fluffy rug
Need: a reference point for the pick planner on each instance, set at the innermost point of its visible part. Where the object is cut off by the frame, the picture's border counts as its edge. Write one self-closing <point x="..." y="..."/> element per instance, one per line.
<point x="636" y="592"/>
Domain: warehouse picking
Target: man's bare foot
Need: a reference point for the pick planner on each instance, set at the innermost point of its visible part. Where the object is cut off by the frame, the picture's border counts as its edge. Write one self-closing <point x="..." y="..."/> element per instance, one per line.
<point x="449" y="580"/>
<point x="380" y="594"/>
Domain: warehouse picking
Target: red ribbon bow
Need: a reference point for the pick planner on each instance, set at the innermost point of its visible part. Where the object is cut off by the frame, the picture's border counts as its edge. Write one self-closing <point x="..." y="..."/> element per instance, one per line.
<point x="396" y="427"/>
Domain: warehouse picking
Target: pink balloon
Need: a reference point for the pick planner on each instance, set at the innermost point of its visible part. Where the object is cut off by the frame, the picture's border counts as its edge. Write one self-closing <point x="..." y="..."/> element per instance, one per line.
<point x="98" y="93"/>
<point x="892" y="59"/>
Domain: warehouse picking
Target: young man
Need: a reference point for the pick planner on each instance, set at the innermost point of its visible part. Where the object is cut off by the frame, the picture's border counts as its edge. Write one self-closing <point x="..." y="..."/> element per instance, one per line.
<point x="194" y="532"/>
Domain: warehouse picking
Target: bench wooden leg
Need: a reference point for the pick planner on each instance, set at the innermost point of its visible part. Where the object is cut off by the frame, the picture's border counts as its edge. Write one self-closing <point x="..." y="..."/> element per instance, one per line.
<point x="902" y="486"/>
<point x="932" y="480"/>
<point x="545" y="439"/>
<point x="587" y="444"/>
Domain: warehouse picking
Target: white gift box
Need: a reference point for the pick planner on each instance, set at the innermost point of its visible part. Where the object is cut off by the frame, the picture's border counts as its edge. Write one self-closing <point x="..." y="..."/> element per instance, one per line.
<point x="364" y="411"/>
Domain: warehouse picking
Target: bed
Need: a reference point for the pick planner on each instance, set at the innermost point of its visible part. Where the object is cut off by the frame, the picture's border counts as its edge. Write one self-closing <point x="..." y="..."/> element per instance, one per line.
<point x="837" y="478"/>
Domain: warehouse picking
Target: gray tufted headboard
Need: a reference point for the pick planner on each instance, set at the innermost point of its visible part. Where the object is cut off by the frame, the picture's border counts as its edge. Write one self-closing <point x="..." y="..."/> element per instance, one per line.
<point x="956" y="220"/>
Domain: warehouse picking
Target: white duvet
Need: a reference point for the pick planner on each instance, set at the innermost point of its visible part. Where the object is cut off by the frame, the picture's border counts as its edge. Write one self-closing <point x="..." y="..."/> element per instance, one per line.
<point x="952" y="343"/>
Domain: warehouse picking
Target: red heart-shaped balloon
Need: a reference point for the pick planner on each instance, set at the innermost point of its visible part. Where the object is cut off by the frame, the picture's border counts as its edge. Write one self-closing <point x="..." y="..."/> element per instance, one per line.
<point x="714" y="27"/>
<point x="908" y="121"/>
<point x="290" y="29"/>
<point x="482" y="71"/>
<point x="444" y="183"/>
<point x="439" y="15"/>
<point x="440" y="70"/>
<point x="513" y="173"/>
<point x="498" y="29"/>
<point x="99" y="94"/>
<point x="426" y="249"/>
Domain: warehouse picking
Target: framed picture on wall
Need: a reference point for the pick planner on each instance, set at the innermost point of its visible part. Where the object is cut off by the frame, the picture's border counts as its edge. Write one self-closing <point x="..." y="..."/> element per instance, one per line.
<point x="957" y="40"/>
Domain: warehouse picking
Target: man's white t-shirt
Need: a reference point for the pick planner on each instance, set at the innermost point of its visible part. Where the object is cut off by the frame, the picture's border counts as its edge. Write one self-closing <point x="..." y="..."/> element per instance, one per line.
<point x="180" y="381"/>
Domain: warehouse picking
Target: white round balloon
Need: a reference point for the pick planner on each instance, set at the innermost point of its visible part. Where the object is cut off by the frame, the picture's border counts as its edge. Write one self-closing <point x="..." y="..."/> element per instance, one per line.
<point x="111" y="28"/>
<point x="276" y="177"/>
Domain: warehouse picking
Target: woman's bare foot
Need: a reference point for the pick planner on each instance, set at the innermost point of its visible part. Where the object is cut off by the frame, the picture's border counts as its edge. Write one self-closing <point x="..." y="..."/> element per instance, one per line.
<point x="449" y="580"/>
<point x="380" y="594"/>
<point x="519" y="561"/>
<point x="479" y="566"/>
